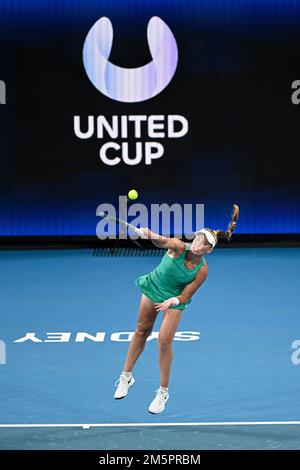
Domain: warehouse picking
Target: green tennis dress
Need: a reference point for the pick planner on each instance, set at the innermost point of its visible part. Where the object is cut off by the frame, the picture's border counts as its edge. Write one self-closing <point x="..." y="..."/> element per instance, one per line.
<point x="168" y="279"/>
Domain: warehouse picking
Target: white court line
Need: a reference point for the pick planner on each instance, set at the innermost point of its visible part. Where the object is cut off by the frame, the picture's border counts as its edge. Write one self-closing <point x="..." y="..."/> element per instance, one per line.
<point x="120" y="425"/>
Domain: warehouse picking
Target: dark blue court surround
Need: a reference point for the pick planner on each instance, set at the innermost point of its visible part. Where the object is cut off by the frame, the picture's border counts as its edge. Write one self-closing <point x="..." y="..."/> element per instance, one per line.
<point x="239" y="369"/>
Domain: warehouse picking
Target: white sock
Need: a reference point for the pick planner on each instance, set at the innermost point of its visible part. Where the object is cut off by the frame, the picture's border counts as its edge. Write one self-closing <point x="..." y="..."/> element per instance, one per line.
<point x="128" y="375"/>
<point x="164" y="389"/>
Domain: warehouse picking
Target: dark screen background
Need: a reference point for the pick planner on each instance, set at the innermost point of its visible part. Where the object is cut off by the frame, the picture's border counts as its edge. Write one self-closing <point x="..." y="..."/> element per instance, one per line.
<point x="237" y="61"/>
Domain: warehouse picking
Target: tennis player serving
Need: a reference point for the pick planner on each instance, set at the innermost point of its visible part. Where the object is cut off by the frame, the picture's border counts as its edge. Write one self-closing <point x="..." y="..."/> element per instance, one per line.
<point x="168" y="288"/>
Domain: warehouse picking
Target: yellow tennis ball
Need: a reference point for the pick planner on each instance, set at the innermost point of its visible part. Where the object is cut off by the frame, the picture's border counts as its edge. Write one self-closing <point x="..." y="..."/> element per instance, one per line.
<point x="133" y="194"/>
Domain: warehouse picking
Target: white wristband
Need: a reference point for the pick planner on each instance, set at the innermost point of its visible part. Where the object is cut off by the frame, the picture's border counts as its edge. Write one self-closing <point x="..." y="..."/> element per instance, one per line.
<point x="176" y="300"/>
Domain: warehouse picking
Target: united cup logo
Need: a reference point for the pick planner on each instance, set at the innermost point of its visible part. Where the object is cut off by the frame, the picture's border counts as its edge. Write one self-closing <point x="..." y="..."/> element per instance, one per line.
<point x="134" y="84"/>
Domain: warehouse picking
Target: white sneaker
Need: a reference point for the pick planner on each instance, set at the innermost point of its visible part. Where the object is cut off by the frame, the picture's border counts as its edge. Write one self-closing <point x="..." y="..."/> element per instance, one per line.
<point x="123" y="385"/>
<point x="159" y="402"/>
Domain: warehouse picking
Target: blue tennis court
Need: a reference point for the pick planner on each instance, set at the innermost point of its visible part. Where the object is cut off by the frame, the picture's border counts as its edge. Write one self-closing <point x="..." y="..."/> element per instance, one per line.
<point x="66" y="320"/>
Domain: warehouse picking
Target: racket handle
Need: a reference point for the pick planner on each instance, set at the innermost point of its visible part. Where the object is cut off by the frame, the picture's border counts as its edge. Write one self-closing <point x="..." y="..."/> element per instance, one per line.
<point x="140" y="232"/>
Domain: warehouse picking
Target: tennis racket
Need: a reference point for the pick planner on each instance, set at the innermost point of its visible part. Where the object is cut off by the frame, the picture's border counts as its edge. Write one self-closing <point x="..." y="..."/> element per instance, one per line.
<point x="123" y="224"/>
